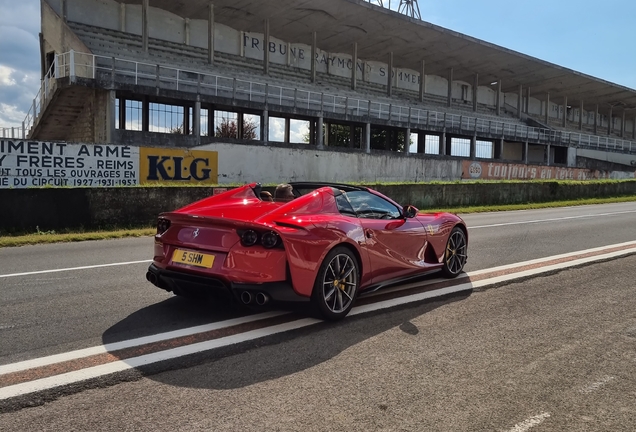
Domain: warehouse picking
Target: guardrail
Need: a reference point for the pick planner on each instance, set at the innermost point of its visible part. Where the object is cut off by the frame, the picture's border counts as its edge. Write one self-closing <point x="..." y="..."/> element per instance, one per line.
<point x="74" y="64"/>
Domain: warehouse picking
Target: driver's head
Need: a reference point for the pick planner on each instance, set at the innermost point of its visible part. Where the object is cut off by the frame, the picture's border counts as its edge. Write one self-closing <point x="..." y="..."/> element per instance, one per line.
<point x="284" y="192"/>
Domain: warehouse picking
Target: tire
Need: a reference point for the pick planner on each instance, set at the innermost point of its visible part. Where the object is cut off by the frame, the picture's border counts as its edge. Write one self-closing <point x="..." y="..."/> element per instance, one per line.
<point x="455" y="254"/>
<point x="337" y="284"/>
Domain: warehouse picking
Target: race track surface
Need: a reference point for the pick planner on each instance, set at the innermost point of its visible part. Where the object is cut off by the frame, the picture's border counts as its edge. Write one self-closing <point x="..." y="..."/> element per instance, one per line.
<point x="550" y="353"/>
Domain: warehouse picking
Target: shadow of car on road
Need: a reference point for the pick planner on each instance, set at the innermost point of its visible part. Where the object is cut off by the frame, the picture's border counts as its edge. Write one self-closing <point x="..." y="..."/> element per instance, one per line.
<point x="266" y="358"/>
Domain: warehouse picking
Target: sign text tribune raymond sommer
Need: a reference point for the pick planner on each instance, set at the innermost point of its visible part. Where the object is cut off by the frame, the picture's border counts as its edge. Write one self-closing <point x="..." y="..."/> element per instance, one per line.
<point x="25" y="164"/>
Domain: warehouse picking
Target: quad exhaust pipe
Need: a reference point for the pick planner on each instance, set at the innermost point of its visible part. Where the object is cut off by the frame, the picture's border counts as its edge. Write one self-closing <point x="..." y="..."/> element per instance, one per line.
<point x="261" y="299"/>
<point x="152" y="278"/>
<point x="246" y="297"/>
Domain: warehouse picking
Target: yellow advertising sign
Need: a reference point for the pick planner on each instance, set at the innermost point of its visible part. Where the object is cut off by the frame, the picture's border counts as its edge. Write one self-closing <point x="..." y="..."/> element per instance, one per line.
<point x="178" y="166"/>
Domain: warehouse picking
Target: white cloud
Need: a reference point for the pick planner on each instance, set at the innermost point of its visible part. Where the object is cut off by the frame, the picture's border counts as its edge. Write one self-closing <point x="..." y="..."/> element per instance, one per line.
<point x="5" y="76"/>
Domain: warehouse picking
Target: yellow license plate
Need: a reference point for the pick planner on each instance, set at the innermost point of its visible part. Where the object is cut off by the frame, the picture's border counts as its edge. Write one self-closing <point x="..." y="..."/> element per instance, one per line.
<point x="196" y="259"/>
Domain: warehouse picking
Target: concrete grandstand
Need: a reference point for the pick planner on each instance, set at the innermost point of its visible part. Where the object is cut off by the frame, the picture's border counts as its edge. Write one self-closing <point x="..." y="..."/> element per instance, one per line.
<point x="158" y="72"/>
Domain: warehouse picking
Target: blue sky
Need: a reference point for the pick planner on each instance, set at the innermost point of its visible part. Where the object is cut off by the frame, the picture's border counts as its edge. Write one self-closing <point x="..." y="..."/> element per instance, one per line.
<point x="596" y="38"/>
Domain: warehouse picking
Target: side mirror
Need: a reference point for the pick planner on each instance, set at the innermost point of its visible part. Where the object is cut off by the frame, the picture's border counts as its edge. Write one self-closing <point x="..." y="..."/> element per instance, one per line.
<point x="410" y="212"/>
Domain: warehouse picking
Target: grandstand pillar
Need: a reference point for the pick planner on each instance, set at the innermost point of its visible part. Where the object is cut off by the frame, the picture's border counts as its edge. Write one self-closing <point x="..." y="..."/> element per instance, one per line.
<point x="287" y="129"/>
<point x="547" y="157"/>
<point x="527" y="106"/>
<point x="111" y="115"/>
<point x="443" y="147"/>
<point x="354" y="67"/>
<point x="475" y="91"/>
<point x="547" y="110"/>
<point x="211" y="33"/>
<point x="314" y="51"/>
<point x="499" y="151"/>
<point x="240" y="125"/>
<point x="196" y="120"/>
<point x="473" y="146"/>
<point x="609" y="121"/>
<point x="623" y="125"/>
<point x="596" y="120"/>
<point x="520" y="101"/>
<point x="266" y="49"/>
<point x="320" y="134"/>
<point x="352" y="135"/>
<point x="186" y="120"/>
<point x="122" y="17"/>
<point x="312" y="132"/>
<point x="145" y="114"/>
<point x="367" y="138"/>
<point x="389" y="80"/>
<point x="422" y="80"/>
<point x="581" y="116"/>
<point x="525" y="152"/>
<point x="449" y="102"/>
<point x="421" y="142"/>
<point x="498" y="97"/>
<point x="407" y="140"/>
<point x="122" y="113"/>
<point x="265" y="126"/>
<point x="144" y="24"/>
<point x="64" y="9"/>
<point x="634" y="128"/>
<point x="565" y="112"/>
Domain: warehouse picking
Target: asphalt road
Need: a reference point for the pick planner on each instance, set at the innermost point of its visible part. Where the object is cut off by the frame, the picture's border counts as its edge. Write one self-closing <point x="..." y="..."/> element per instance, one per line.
<point x="431" y="364"/>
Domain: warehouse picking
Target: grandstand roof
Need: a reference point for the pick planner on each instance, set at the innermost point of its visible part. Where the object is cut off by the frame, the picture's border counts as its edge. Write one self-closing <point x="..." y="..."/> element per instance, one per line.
<point x="379" y="31"/>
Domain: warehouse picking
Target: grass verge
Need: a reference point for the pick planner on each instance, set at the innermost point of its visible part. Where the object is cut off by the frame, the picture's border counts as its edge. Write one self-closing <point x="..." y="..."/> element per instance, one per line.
<point x="52" y="237"/>
<point x="532" y="206"/>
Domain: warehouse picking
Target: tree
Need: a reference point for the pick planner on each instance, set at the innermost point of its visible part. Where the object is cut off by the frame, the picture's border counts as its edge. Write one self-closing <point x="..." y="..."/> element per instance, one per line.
<point x="229" y="129"/>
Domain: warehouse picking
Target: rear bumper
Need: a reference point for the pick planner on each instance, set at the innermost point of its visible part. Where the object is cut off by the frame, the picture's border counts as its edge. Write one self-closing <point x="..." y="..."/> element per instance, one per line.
<point x="177" y="281"/>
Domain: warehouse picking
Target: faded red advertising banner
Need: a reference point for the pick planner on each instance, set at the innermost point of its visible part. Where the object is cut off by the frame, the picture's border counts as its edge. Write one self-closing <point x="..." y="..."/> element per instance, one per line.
<point x="472" y="170"/>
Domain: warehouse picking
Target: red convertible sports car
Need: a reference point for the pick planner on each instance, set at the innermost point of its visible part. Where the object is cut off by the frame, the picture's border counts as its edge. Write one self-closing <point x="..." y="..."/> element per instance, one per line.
<point x="324" y="243"/>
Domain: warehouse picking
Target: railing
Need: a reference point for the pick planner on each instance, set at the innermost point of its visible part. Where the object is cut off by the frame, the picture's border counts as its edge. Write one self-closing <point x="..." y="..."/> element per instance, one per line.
<point x="74" y="65"/>
<point x="13" y="132"/>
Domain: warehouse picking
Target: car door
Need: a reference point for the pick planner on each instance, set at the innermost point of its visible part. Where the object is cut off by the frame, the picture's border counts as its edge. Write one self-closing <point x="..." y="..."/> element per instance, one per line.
<point x="395" y="244"/>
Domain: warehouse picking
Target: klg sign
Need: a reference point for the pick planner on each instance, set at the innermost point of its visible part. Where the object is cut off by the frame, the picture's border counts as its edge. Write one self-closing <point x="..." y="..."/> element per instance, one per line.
<point x="158" y="165"/>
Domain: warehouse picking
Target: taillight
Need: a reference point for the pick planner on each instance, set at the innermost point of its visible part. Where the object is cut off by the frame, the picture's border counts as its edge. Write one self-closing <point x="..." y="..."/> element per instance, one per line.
<point x="270" y="239"/>
<point x="162" y="226"/>
<point x="249" y="238"/>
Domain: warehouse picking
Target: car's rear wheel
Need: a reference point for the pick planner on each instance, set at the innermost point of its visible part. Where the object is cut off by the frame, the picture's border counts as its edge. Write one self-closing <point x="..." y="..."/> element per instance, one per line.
<point x="336" y="285"/>
<point x="455" y="254"/>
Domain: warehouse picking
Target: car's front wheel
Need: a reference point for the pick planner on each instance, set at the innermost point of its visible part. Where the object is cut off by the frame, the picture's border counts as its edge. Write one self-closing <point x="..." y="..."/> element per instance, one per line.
<point x="336" y="285"/>
<point x="455" y="254"/>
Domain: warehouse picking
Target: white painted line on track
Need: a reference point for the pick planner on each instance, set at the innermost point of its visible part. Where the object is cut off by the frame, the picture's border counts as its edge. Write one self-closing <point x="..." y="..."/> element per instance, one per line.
<point x="116" y="346"/>
<point x="537" y="221"/>
<point x="74" y="268"/>
<point x="530" y="423"/>
<point x="122" y="365"/>
<point x="551" y="258"/>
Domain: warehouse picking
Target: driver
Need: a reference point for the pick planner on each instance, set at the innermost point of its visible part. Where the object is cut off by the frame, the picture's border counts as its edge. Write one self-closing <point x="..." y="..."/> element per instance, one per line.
<point x="284" y="193"/>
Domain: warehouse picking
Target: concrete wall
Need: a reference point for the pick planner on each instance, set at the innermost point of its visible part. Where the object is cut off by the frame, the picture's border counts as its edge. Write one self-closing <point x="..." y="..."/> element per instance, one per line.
<point x="58" y="208"/>
<point x="92" y="125"/>
<point x="57" y="36"/>
<point x="270" y="164"/>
